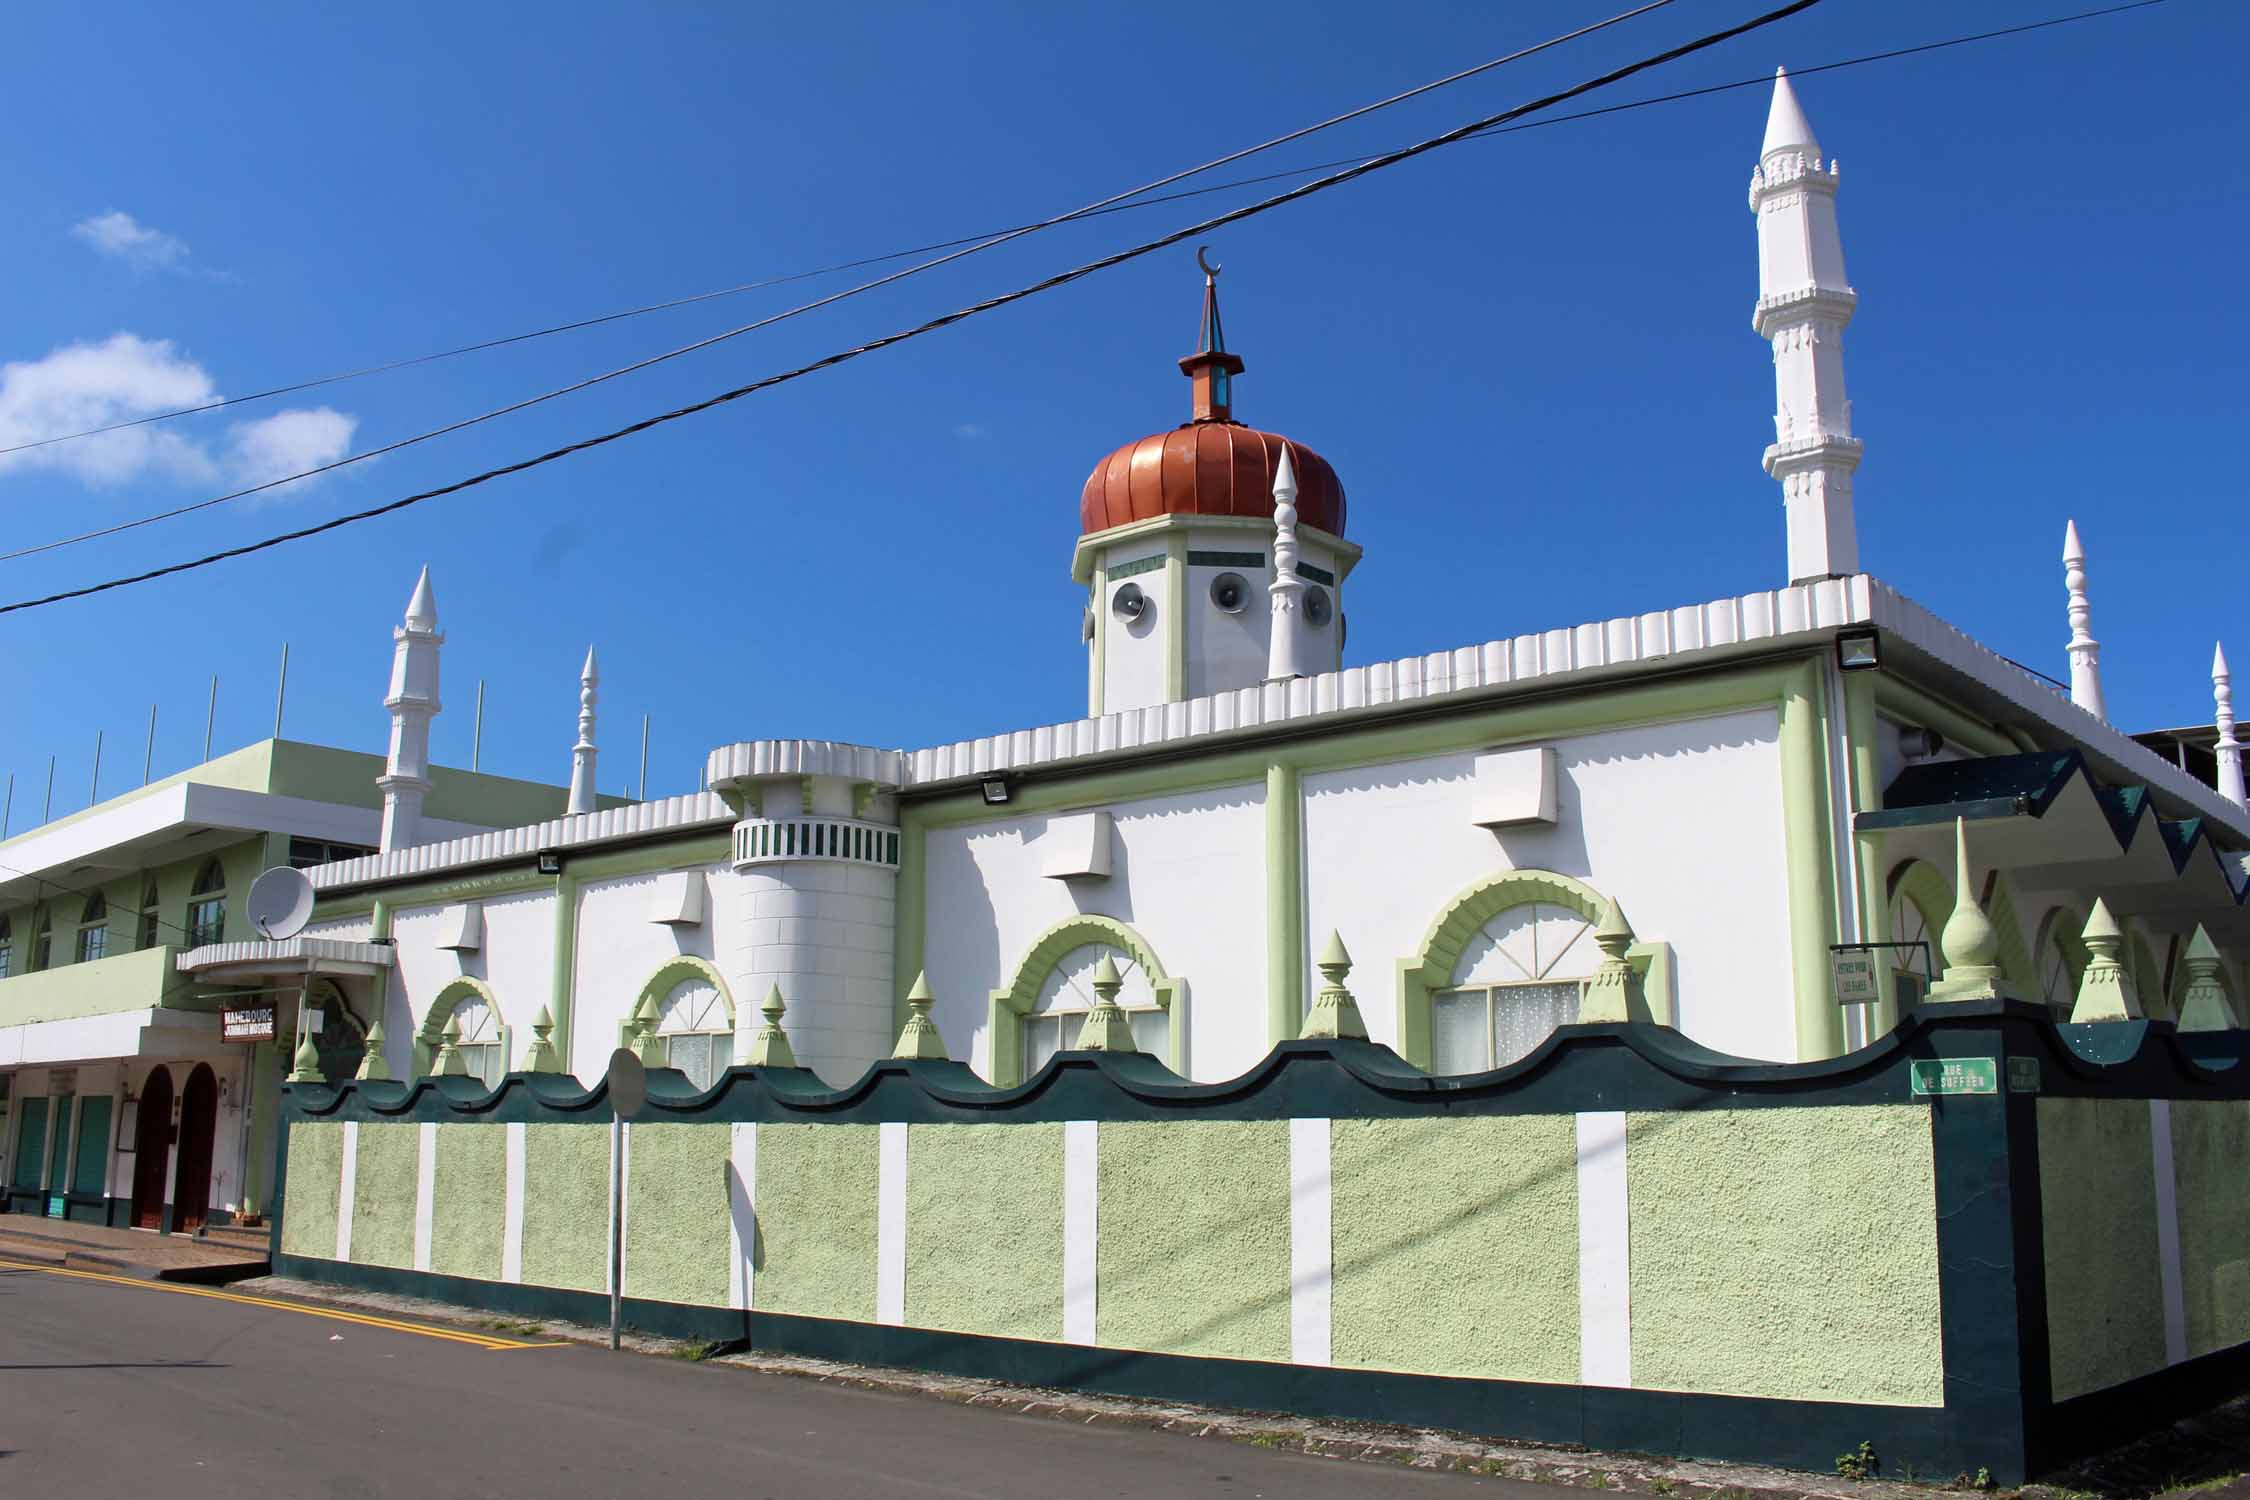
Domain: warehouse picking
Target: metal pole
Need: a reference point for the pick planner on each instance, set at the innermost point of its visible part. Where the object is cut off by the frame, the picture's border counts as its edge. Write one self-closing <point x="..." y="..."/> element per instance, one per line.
<point x="476" y="745"/>
<point x="47" y="808"/>
<point x="8" y="811"/>
<point x="211" y="717"/>
<point x="616" y="1228"/>
<point x="281" y="693"/>
<point x="148" y="759"/>
<point x="643" y="795"/>
<point x="94" y="792"/>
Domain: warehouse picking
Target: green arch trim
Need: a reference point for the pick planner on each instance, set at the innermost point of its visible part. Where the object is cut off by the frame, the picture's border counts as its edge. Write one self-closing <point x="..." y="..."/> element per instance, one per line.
<point x="2015" y="960"/>
<point x="1013" y="1001"/>
<point x="659" y="984"/>
<point x="431" y="1032"/>
<point x="1431" y="967"/>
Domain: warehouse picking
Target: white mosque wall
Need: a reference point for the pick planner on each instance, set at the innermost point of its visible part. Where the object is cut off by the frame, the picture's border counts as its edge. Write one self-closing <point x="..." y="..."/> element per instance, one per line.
<point x="619" y="950"/>
<point x="343" y="929"/>
<point x="1187" y="873"/>
<point x="515" y="961"/>
<point x="1680" y="822"/>
<point x="826" y="932"/>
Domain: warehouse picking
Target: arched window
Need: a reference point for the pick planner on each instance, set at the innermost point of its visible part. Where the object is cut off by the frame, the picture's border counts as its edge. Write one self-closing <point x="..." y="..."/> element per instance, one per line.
<point x="480" y="1043"/>
<point x="1516" y="981"/>
<point x="207" y="905"/>
<point x="1920" y="901"/>
<point x="7" y="947"/>
<point x="696" y="1032"/>
<point x="93" y="929"/>
<point x="145" y="934"/>
<point x="42" y="939"/>
<point x="1067" y="994"/>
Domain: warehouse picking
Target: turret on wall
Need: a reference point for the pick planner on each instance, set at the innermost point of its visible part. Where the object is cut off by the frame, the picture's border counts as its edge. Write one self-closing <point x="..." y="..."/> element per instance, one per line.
<point x="1804" y="302"/>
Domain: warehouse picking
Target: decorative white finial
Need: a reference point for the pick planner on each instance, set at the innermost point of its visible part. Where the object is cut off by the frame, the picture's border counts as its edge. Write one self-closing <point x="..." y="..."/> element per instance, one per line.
<point x="2229" y="748"/>
<point x="582" y="754"/>
<point x="2085" y="651"/>
<point x="1285" y="643"/>
<point x="1787" y="129"/>
<point x="421" y="610"/>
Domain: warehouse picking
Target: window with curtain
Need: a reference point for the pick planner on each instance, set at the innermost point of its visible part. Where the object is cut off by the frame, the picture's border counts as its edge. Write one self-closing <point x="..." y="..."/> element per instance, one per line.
<point x="692" y="1024"/>
<point x="207" y="905"/>
<point x="1518" y="979"/>
<point x="144" y="935"/>
<point x="93" y="929"/>
<point x="42" y="939"/>
<point x="480" y="1039"/>
<point x="1068" y="994"/>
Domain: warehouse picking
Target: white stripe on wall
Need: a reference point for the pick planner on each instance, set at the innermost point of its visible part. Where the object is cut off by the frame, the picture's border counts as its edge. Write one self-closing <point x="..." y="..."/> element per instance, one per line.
<point x="742" y="1213"/>
<point x="1605" y="1296"/>
<point x="346" y="1190"/>
<point x="511" y="1220"/>
<point x="1081" y="1143"/>
<point x="425" y="1192"/>
<point x="1310" y="1248"/>
<point x="2168" y="1230"/>
<point x="890" y="1223"/>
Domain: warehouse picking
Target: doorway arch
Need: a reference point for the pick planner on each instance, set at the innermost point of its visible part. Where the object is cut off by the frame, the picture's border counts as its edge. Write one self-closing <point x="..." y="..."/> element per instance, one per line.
<point x="199" y="1123"/>
<point x="152" y="1148"/>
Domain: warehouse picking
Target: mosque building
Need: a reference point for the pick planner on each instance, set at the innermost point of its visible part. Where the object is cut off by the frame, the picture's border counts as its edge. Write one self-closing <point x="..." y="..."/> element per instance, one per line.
<point x="1667" y="966"/>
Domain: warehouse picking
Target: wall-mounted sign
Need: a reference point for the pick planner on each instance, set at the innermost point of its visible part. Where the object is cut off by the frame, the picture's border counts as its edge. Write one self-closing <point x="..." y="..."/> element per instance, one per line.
<point x="251" y="1023"/>
<point x="1955" y="1075"/>
<point x="62" y="1080"/>
<point x="2023" y="1075"/>
<point x="1854" y="970"/>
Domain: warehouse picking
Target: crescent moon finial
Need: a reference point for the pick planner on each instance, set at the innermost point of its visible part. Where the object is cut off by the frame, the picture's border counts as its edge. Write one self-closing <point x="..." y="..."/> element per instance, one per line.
<point x="1210" y="272"/>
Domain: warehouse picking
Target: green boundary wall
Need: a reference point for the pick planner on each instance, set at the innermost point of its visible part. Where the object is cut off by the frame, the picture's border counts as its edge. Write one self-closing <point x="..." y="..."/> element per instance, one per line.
<point x="1820" y="1254"/>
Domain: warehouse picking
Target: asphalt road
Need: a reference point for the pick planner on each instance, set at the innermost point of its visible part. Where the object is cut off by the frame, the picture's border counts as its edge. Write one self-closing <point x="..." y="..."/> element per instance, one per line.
<point x="110" y="1389"/>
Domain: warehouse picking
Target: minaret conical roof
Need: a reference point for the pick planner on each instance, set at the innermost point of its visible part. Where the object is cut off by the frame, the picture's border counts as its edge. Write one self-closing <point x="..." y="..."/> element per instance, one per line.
<point x="1787" y="129"/>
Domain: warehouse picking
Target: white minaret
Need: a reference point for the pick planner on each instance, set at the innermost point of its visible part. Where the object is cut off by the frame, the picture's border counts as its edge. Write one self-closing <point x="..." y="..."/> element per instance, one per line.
<point x="1803" y="304"/>
<point x="2229" y="748"/>
<point x="2085" y="651"/>
<point x="582" y="754"/>
<point x="412" y="700"/>
<point x="1285" y="645"/>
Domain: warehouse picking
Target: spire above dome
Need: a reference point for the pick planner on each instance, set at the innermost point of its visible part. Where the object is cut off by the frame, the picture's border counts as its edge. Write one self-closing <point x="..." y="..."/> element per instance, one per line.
<point x="1787" y="129"/>
<point x="1211" y="367"/>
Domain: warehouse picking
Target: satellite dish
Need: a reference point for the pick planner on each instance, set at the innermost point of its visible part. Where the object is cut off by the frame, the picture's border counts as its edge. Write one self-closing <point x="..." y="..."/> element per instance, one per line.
<point x="281" y="902"/>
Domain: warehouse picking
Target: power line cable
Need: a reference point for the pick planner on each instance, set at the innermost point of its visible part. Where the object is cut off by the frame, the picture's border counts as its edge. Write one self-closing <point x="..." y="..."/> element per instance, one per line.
<point x="979" y="241"/>
<point x="946" y="320"/>
<point x="1115" y="206"/>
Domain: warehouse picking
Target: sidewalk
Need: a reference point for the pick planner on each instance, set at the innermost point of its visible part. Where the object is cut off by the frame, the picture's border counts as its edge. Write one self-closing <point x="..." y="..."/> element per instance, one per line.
<point x="132" y="1252"/>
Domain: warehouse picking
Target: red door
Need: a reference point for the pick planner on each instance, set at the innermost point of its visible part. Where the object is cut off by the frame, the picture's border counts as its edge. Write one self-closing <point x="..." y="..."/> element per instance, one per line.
<point x="199" y="1121"/>
<point x="152" y="1149"/>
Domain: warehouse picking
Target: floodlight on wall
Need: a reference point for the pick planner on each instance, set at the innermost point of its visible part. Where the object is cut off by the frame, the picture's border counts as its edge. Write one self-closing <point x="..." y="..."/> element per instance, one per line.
<point x="550" y="861"/>
<point x="997" y="791"/>
<point x="1860" y="651"/>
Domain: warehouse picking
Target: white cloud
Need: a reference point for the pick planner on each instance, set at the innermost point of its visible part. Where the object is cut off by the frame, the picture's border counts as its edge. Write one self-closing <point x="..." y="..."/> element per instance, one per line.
<point x="120" y="236"/>
<point x="969" y="432"/>
<point x="288" y="442"/>
<point x="123" y="377"/>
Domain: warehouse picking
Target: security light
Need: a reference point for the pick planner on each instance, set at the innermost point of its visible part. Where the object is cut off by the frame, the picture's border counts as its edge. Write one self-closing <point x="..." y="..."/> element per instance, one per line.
<point x="550" y="861"/>
<point x="996" y="791"/>
<point x="1859" y="651"/>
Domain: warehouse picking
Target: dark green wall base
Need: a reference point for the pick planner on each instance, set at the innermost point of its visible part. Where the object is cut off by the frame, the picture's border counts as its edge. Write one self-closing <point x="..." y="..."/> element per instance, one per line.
<point x="2099" y="1420"/>
<point x="1797" y="1434"/>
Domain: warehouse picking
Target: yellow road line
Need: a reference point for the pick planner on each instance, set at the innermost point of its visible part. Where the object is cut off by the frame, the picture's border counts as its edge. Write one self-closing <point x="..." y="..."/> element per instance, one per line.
<point x="367" y="1320"/>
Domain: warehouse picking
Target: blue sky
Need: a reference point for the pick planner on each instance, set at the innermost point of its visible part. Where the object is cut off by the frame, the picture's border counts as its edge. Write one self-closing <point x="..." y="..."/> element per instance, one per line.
<point x="1529" y="358"/>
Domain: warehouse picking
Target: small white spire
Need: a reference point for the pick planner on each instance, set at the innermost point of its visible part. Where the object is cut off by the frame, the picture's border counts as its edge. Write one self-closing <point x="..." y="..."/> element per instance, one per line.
<point x="1787" y="129"/>
<point x="1285" y="642"/>
<point x="412" y="701"/>
<point x="582" y="754"/>
<point x="2085" y="651"/>
<point x="421" y="610"/>
<point x="2229" y="748"/>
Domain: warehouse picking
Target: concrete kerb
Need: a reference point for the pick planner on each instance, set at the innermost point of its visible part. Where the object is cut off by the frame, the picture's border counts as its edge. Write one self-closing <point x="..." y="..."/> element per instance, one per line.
<point x="1362" y="1442"/>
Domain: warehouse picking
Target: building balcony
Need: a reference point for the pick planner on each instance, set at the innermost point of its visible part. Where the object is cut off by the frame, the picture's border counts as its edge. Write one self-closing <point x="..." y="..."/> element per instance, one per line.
<point x="128" y="1005"/>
